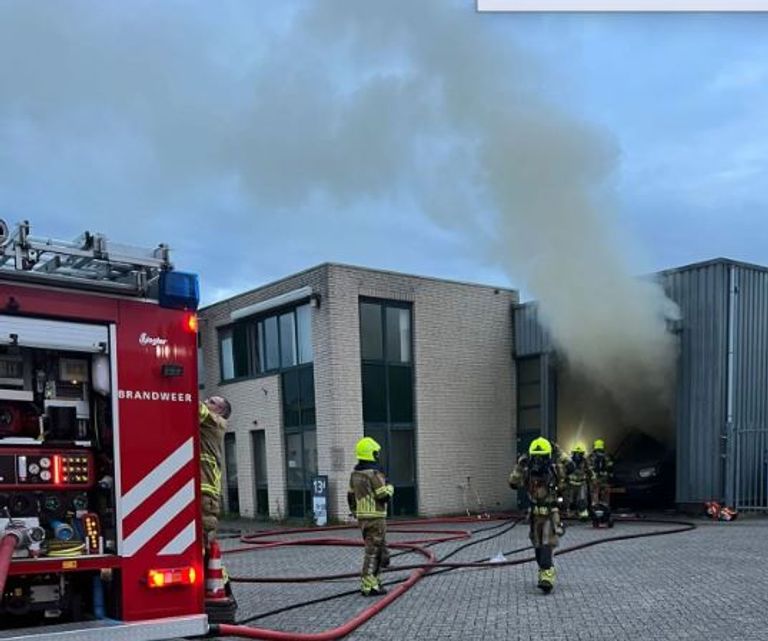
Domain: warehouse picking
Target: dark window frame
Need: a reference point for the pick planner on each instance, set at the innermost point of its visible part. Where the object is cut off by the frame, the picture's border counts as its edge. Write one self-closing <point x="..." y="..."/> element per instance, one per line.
<point x="301" y="425"/>
<point x="260" y="487"/>
<point x="388" y="426"/>
<point x="299" y="429"/>
<point x="384" y="361"/>
<point x="220" y="336"/>
<point x="256" y="343"/>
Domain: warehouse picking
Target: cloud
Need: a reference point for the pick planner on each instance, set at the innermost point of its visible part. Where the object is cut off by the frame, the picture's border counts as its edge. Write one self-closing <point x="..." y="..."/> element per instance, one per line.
<point x="253" y="138"/>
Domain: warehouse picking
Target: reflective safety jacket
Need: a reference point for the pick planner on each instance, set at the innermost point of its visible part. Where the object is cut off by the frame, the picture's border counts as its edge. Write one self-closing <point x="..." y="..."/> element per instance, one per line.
<point x="564" y="462"/>
<point x="212" y="428"/>
<point x="601" y="465"/>
<point x="582" y="472"/>
<point x="369" y="491"/>
<point x="542" y="488"/>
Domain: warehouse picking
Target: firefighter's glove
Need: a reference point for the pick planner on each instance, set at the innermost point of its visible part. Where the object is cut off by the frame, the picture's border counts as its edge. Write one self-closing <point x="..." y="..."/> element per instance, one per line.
<point x="385" y="493"/>
<point x="560" y="529"/>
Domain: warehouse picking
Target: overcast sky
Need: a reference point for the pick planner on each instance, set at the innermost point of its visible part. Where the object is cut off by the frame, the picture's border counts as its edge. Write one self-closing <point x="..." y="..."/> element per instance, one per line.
<point x="181" y="122"/>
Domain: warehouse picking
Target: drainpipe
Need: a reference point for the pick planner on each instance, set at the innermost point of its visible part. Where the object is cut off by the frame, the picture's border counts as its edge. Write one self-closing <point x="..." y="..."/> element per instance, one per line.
<point x="730" y="455"/>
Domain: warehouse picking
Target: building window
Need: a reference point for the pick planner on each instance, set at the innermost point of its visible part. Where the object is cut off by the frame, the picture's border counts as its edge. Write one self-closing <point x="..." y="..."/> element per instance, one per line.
<point x="371" y="333"/>
<point x="235" y="352"/>
<point x="266" y="344"/>
<point x="288" y="339"/>
<point x="258" y="439"/>
<point x="230" y="463"/>
<point x="386" y="347"/>
<point x="398" y="335"/>
<point x="227" y="357"/>
<point x="300" y="437"/>
<point x="304" y="334"/>
<point x="271" y="343"/>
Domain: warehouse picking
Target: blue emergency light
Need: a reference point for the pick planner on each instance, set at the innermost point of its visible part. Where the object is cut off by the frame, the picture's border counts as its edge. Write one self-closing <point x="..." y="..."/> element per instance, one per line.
<point x="179" y="290"/>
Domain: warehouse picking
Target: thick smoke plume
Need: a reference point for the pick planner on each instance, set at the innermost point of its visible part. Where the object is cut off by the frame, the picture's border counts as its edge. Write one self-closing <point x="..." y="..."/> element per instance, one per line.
<point x="420" y="105"/>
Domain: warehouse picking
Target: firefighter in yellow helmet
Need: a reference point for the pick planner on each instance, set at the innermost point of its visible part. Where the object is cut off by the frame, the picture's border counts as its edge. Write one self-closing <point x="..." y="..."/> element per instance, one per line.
<point x="368" y="496"/>
<point x="541" y="476"/>
<point x="602" y="469"/>
<point x="578" y="480"/>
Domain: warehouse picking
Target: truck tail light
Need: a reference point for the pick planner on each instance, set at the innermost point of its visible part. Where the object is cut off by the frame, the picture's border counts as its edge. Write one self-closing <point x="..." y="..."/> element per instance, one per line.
<point x="164" y="578"/>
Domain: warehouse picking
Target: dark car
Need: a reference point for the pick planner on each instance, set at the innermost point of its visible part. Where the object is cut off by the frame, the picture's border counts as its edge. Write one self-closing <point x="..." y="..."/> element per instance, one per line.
<point x="643" y="472"/>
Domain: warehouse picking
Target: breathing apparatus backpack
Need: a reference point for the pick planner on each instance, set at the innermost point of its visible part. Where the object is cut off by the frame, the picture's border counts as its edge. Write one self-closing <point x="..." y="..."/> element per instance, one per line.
<point x="599" y="464"/>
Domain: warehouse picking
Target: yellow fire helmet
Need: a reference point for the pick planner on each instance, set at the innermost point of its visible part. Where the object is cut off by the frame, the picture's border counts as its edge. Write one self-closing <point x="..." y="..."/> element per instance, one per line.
<point x="366" y="449"/>
<point x="579" y="449"/>
<point x="599" y="444"/>
<point x="540" y="447"/>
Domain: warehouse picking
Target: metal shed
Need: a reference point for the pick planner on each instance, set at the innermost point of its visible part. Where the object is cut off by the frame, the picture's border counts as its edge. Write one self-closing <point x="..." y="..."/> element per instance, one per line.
<point x="721" y="410"/>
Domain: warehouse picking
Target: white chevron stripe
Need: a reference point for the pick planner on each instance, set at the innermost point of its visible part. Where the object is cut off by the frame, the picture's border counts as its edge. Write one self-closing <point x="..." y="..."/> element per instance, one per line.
<point x="181" y="541"/>
<point x="152" y="481"/>
<point x="141" y="536"/>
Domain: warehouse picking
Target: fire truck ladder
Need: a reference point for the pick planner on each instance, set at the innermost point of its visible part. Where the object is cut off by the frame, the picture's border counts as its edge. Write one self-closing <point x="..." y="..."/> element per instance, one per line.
<point x="89" y="262"/>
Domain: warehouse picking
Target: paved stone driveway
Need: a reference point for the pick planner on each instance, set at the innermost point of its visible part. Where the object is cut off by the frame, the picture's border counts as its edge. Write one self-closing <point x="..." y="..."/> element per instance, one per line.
<point x="711" y="583"/>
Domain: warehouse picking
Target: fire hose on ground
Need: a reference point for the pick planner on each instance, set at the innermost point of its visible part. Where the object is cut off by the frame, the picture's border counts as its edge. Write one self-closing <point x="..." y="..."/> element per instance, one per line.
<point x="432" y="567"/>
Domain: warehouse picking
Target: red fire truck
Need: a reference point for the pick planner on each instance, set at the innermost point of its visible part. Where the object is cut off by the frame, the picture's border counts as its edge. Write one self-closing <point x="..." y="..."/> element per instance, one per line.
<point x="99" y="480"/>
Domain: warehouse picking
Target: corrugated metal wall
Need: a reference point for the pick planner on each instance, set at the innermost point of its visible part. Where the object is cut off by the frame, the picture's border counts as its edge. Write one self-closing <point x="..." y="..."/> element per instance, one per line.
<point x="530" y="337"/>
<point x="702" y="295"/>
<point x="750" y="399"/>
<point x="751" y="363"/>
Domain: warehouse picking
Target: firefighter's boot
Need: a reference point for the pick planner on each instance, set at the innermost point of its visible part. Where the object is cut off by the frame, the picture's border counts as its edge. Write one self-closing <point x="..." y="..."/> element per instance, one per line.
<point x="371" y="586"/>
<point x="547" y="580"/>
<point x="228" y="588"/>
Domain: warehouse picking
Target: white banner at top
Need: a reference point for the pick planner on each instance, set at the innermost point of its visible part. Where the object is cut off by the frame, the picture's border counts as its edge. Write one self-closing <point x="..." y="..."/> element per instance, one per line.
<point x="665" y="6"/>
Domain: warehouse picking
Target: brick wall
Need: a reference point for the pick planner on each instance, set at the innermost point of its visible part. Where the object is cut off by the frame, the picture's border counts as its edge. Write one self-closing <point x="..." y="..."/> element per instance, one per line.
<point x="464" y="378"/>
<point x="257" y="405"/>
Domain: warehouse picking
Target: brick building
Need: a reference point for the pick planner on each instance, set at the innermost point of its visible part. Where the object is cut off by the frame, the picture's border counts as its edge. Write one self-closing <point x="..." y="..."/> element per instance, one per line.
<point x="314" y="361"/>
